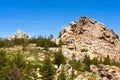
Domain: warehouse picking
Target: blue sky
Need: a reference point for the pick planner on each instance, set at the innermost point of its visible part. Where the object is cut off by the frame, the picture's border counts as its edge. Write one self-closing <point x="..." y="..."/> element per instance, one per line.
<point x="45" y="17"/>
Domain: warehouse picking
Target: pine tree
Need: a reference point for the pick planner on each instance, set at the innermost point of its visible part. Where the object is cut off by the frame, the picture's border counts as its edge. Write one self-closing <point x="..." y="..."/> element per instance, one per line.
<point x="4" y="66"/>
<point x="95" y="61"/>
<point x="72" y="76"/>
<point x="1" y="43"/>
<point x="47" y="70"/>
<point x="87" y="62"/>
<point x="59" y="58"/>
<point x="62" y="76"/>
<point x="3" y="59"/>
<point x="50" y="37"/>
<point x="19" y="60"/>
<point x="76" y="64"/>
<point x="107" y="60"/>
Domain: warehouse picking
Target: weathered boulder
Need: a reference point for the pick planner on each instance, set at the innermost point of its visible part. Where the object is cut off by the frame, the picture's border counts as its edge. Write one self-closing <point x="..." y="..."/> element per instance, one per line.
<point x="93" y="68"/>
<point x="67" y="68"/>
<point x="20" y="34"/>
<point x="106" y="72"/>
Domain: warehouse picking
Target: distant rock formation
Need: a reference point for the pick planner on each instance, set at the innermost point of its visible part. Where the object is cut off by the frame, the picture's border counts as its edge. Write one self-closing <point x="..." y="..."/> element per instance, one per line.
<point x="20" y="34"/>
<point x="88" y="36"/>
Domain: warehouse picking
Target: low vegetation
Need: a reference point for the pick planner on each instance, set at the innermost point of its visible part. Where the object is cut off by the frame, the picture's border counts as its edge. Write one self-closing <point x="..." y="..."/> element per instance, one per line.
<point x="84" y="65"/>
<point x="39" y="41"/>
<point x="16" y="67"/>
<point x="28" y="65"/>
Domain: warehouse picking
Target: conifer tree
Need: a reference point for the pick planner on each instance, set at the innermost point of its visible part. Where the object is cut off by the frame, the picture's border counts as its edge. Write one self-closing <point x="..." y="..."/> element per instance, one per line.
<point x="3" y="59"/>
<point x="4" y="66"/>
<point x="19" y="60"/>
<point x="59" y="58"/>
<point x="107" y="60"/>
<point x="62" y="76"/>
<point x="47" y="70"/>
<point x="87" y="62"/>
<point x="95" y="61"/>
<point x="72" y="76"/>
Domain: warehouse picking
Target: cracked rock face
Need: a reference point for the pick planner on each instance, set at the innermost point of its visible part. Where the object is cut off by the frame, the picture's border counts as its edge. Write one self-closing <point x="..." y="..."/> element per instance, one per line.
<point x="89" y="36"/>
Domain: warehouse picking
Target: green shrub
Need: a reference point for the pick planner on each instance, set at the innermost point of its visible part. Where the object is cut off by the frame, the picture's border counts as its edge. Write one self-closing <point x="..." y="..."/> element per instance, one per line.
<point x="3" y="59"/>
<point x="19" y="60"/>
<point x="59" y="58"/>
<point x="62" y="76"/>
<point x="107" y="60"/>
<point x="87" y="62"/>
<point x="84" y="50"/>
<point x="76" y="64"/>
<point x="47" y="70"/>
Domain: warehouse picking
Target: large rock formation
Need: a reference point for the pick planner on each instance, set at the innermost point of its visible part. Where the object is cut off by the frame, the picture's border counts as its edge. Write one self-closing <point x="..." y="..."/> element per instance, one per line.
<point x="20" y="34"/>
<point x="88" y="36"/>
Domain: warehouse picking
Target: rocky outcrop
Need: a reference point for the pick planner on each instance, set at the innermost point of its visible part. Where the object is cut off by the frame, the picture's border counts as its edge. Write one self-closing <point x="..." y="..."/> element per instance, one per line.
<point x="101" y="72"/>
<point x="88" y="36"/>
<point x="106" y="71"/>
<point x="20" y="34"/>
